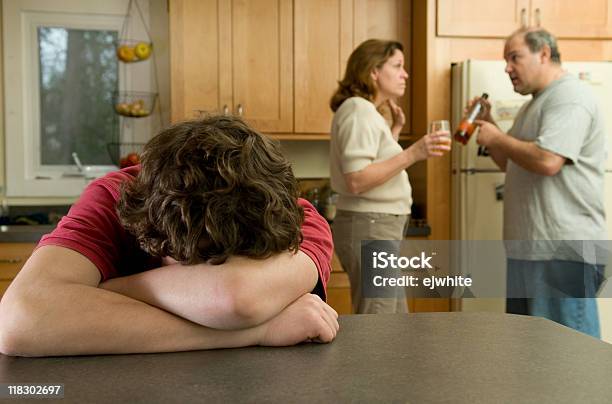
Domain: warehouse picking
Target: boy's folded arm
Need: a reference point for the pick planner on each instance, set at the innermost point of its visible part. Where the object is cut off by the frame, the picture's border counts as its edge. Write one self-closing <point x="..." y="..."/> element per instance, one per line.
<point x="239" y="293"/>
<point x="54" y="307"/>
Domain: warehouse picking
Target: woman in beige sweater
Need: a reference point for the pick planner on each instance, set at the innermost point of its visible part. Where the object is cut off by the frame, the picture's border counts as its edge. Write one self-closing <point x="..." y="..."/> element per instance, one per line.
<point x="368" y="166"/>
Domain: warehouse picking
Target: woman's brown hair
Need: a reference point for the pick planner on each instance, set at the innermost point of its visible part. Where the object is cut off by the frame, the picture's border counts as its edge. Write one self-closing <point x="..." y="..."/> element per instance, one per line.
<point x="357" y="81"/>
<point x="212" y="188"/>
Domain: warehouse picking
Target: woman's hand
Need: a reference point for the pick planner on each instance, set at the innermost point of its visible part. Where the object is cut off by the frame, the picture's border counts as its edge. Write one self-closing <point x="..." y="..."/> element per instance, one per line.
<point x="399" y="119"/>
<point x="431" y="145"/>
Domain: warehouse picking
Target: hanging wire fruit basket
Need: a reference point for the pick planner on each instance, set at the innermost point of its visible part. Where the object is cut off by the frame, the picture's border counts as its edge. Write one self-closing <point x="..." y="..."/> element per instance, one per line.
<point x="134" y="50"/>
<point x="134" y="104"/>
<point x="125" y="154"/>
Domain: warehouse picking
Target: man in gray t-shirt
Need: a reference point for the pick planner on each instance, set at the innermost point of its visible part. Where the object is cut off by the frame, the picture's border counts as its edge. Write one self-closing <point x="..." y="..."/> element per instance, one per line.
<point x="554" y="157"/>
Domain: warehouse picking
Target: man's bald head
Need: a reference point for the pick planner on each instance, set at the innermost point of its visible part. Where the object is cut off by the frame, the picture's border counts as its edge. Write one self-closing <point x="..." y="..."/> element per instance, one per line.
<point x="532" y="60"/>
<point x="536" y="39"/>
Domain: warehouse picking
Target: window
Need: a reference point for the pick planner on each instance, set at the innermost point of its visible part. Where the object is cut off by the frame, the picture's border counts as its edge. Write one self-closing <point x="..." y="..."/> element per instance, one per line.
<point x="79" y="74"/>
<point x="60" y="75"/>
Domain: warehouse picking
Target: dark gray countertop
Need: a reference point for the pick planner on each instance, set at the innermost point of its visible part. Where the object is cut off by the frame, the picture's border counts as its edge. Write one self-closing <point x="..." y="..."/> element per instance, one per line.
<point x="416" y="358"/>
<point x="23" y="234"/>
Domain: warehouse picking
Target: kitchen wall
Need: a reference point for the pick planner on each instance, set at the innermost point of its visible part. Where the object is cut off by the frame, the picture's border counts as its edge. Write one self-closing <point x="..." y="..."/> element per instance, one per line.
<point x="309" y="159"/>
<point x="158" y="17"/>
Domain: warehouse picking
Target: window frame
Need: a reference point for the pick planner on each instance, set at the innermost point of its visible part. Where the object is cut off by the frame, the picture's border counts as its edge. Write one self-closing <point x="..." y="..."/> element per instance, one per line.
<point x="25" y="176"/>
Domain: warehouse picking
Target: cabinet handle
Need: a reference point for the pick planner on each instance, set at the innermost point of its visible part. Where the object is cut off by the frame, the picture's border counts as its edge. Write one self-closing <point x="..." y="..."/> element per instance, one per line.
<point x="240" y="110"/>
<point x="538" y="20"/>
<point x="523" y="17"/>
<point x="225" y="110"/>
<point x="10" y="260"/>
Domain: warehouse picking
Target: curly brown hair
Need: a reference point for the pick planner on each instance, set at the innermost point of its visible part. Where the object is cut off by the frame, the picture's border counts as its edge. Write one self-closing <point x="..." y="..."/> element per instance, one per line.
<point x="357" y="82"/>
<point x="212" y="188"/>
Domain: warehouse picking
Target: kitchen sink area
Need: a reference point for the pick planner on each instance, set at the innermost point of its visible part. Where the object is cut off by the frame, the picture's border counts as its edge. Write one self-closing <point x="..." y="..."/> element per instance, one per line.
<point x="27" y="224"/>
<point x="23" y="233"/>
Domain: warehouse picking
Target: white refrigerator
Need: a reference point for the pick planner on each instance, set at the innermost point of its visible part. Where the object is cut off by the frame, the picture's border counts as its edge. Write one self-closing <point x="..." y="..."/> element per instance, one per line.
<point x="477" y="183"/>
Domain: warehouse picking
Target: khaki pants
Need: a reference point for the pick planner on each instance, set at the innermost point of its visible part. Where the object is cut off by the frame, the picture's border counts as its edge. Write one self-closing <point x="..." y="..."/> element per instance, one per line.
<point x="349" y="229"/>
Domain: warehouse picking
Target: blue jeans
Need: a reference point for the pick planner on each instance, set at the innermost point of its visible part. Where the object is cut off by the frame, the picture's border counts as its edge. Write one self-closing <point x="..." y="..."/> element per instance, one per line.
<point x="562" y="291"/>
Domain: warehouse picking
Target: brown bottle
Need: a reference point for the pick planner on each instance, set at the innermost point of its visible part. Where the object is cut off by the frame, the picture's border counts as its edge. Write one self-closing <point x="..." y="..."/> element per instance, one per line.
<point x="466" y="126"/>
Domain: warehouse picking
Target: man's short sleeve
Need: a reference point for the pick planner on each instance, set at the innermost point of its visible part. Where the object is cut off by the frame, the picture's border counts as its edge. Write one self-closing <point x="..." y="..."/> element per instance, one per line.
<point x="317" y="244"/>
<point x="357" y="140"/>
<point x="563" y="129"/>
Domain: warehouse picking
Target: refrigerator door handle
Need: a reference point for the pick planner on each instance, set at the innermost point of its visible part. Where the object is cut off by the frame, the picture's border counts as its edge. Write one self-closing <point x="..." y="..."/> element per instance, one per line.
<point x="499" y="192"/>
<point x="483" y="151"/>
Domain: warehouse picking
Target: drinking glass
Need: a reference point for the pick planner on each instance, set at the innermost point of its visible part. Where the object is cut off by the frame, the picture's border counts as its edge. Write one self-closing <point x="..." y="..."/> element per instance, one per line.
<point x="441" y="125"/>
<point x="435" y="126"/>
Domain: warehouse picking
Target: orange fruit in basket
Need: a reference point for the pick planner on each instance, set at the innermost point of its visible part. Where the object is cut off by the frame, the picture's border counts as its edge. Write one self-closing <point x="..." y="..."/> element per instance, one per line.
<point x="125" y="53"/>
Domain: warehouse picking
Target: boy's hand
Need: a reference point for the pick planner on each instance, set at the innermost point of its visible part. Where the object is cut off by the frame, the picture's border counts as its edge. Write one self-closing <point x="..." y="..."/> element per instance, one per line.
<point x="307" y="319"/>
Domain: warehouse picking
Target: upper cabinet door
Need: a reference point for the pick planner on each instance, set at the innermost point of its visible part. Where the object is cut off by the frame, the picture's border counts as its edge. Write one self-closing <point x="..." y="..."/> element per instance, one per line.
<point x="572" y="19"/>
<point x="199" y="58"/>
<point x="386" y="19"/>
<point x="262" y="59"/>
<point x="323" y="42"/>
<point x="233" y="57"/>
<point x="481" y="18"/>
<point x="326" y="32"/>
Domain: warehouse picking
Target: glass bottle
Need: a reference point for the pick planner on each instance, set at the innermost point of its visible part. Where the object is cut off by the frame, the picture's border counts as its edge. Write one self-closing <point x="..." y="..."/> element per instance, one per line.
<point x="466" y="126"/>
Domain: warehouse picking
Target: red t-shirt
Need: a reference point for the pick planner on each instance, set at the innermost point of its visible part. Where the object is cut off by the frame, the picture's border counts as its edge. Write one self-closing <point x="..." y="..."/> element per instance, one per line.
<point x="92" y="228"/>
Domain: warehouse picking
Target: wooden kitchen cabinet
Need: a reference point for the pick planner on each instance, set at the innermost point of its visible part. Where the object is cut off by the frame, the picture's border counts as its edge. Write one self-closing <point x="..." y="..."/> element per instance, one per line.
<point x="270" y="59"/>
<point x="326" y="32"/>
<point x="323" y="43"/>
<point x="197" y="66"/>
<point x="572" y="19"/>
<point x="233" y="57"/>
<point x="481" y="18"/>
<point x="12" y="258"/>
<point x="339" y="288"/>
<point x="497" y="19"/>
